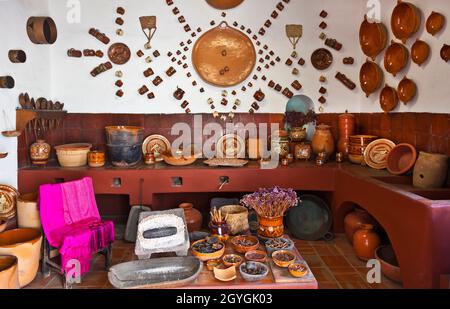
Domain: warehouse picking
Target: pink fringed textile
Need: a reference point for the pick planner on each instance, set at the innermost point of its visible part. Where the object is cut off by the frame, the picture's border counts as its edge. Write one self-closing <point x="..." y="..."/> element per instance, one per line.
<point x="71" y="222"/>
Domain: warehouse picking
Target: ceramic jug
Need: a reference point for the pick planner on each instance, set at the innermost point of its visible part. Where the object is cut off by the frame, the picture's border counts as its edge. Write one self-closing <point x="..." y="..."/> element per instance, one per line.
<point x="354" y="220"/>
<point x="194" y="218"/>
<point x="365" y="242"/>
<point x="323" y="140"/>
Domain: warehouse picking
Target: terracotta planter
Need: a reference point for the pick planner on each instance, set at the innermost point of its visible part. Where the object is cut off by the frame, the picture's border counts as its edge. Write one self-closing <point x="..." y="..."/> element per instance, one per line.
<point x="25" y="244"/>
<point x="270" y="227"/>
<point x="27" y="211"/>
<point x="365" y="242"/>
<point x="40" y="152"/>
<point x="430" y="171"/>
<point x="194" y="218"/>
<point x="346" y="129"/>
<point x="354" y="220"/>
<point x="9" y="275"/>
<point x="389" y="263"/>
<point x="401" y="159"/>
<point x="323" y="140"/>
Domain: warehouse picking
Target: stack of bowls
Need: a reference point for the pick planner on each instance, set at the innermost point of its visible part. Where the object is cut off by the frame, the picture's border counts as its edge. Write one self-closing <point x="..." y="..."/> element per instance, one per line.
<point x="357" y="146"/>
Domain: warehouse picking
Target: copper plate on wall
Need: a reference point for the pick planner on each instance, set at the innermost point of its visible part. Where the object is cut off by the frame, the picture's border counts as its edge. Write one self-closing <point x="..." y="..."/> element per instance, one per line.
<point x="119" y="53"/>
<point x="224" y="4"/>
<point x="321" y="59"/>
<point x="224" y="56"/>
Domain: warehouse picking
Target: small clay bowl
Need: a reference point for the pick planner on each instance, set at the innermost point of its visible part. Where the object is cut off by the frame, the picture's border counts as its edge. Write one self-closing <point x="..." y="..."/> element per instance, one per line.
<point x="213" y="263"/>
<point x="232" y="260"/>
<point x="225" y="274"/>
<point x="3" y="225"/>
<point x="208" y="256"/>
<point x="287" y="245"/>
<point x="283" y="258"/>
<point x="236" y="241"/>
<point x="256" y="256"/>
<point x="298" y="269"/>
<point x="246" y="268"/>
<point x="401" y="159"/>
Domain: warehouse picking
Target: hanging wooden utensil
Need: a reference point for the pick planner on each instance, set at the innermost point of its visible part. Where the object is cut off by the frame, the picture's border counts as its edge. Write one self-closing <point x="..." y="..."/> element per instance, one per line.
<point x="294" y="34"/>
<point x="148" y="24"/>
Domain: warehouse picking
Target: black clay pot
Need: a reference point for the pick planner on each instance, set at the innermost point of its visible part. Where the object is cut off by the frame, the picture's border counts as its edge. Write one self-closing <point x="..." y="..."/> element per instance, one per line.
<point x="125" y="155"/>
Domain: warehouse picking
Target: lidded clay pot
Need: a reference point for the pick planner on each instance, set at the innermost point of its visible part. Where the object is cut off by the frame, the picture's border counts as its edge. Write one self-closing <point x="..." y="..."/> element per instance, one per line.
<point x="371" y="77"/>
<point x="435" y="23"/>
<point x="365" y="242"/>
<point x="323" y="140"/>
<point x="406" y="90"/>
<point x="420" y="51"/>
<point x="193" y="217"/>
<point x="430" y="171"/>
<point x="396" y="58"/>
<point x="372" y="37"/>
<point x="405" y="20"/>
<point x="445" y="52"/>
<point x="354" y="220"/>
<point x="388" y="99"/>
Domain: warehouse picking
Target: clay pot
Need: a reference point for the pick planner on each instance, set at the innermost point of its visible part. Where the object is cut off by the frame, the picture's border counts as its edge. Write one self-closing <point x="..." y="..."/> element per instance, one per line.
<point x="405" y="20"/>
<point x="389" y="264"/>
<point x="357" y="147"/>
<point x="445" y="53"/>
<point x="270" y="227"/>
<point x="9" y="274"/>
<point x="27" y="211"/>
<point x="396" y="58"/>
<point x="194" y="218"/>
<point x="388" y="99"/>
<point x="297" y="134"/>
<point x="401" y="159"/>
<point x="435" y="23"/>
<point x="406" y="90"/>
<point x="323" y="140"/>
<point x="224" y="4"/>
<point x="17" y="56"/>
<point x="25" y="244"/>
<point x="346" y="129"/>
<point x="430" y="171"/>
<point x="372" y="37"/>
<point x="365" y="242"/>
<point x="96" y="158"/>
<point x="370" y="77"/>
<point x="40" y="152"/>
<point x="420" y="51"/>
<point x="354" y="220"/>
<point x="42" y="30"/>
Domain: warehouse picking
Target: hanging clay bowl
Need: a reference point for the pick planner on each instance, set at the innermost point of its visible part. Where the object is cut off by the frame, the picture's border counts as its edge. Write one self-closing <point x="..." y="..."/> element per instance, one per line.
<point x="388" y="99"/>
<point x="420" y="52"/>
<point x="405" y="20"/>
<point x="435" y="23"/>
<point x="224" y="4"/>
<point x="445" y="52"/>
<point x="396" y="58"/>
<point x="371" y="77"/>
<point x="406" y="90"/>
<point x="372" y="37"/>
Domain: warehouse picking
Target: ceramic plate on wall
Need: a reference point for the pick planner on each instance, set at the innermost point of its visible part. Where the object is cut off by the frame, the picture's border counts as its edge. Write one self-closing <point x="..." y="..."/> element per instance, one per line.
<point x="156" y="143"/>
<point x="230" y="146"/>
<point x="8" y="200"/>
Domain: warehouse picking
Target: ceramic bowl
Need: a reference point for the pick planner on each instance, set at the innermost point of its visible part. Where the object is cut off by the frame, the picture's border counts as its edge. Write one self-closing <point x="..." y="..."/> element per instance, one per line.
<point x="256" y="256"/>
<point x="283" y="258"/>
<point x="276" y="244"/>
<point x="211" y="264"/>
<point x="248" y="269"/>
<point x="298" y="269"/>
<point x="401" y="159"/>
<point x="389" y="263"/>
<point x="208" y="256"/>
<point x="232" y="260"/>
<point x="253" y="243"/>
<point x="3" y="224"/>
<point x="73" y="155"/>
<point x="225" y="274"/>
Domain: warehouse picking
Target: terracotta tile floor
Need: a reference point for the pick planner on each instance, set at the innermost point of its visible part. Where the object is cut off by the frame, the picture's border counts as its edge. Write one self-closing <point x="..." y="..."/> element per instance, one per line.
<point x="333" y="263"/>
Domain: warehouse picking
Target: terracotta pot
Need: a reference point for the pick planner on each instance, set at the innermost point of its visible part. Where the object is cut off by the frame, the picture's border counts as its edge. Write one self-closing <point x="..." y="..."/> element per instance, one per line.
<point x="42" y="30"/>
<point x="430" y="171"/>
<point x="346" y="125"/>
<point x="389" y="264"/>
<point x="445" y="53"/>
<point x="194" y="218"/>
<point x="281" y="145"/>
<point x="401" y="159"/>
<point x="25" y="244"/>
<point x="354" y="220"/>
<point x="406" y="90"/>
<point x="96" y="158"/>
<point x="323" y="140"/>
<point x="435" y="23"/>
<point x="365" y="242"/>
<point x="396" y="58"/>
<point x="297" y="134"/>
<point x="40" y="152"/>
<point x="372" y="37"/>
<point x="420" y="52"/>
<point x="17" y="56"/>
<point x="270" y="227"/>
<point x="370" y="77"/>
<point x="27" y="211"/>
<point x="388" y="99"/>
<point x="9" y="274"/>
<point x="405" y="20"/>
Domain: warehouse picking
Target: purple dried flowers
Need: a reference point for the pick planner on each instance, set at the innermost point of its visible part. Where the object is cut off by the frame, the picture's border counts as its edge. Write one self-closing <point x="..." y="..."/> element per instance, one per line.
<point x="271" y="203"/>
<point x="298" y="119"/>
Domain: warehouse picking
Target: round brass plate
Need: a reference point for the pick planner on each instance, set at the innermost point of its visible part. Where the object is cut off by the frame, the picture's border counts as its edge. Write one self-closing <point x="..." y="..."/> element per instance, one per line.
<point x="119" y="53"/>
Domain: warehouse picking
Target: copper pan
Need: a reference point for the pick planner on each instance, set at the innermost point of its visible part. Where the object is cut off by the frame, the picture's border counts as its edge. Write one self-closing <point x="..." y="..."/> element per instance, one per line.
<point x="396" y="58"/>
<point x="435" y="23"/>
<point x="405" y="20"/>
<point x="371" y="77"/>
<point x="372" y="37"/>
<point x="406" y="90"/>
<point x="388" y="99"/>
<point x="420" y="51"/>
<point x="224" y="4"/>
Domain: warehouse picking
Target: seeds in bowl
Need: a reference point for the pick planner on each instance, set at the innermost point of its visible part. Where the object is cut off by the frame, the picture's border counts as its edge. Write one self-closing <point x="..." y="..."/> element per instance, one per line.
<point x="253" y="269"/>
<point x="278" y="243"/>
<point x="284" y="257"/>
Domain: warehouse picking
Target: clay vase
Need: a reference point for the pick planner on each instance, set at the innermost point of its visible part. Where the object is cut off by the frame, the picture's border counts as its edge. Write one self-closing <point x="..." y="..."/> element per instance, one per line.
<point x="354" y="220"/>
<point x="405" y="20"/>
<point x="27" y="211"/>
<point x="445" y="53"/>
<point x="194" y="218"/>
<point x="365" y="242"/>
<point x="435" y="23"/>
<point x="9" y="274"/>
<point x="396" y="58"/>
<point x="420" y="51"/>
<point x="40" y="152"/>
<point x="388" y="99"/>
<point x="406" y="90"/>
<point x="346" y="129"/>
<point x="372" y="38"/>
<point x="25" y="244"/>
<point x="270" y="227"/>
<point x="370" y="77"/>
<point x="430" y="171"/>
<point x="323" y="140"/>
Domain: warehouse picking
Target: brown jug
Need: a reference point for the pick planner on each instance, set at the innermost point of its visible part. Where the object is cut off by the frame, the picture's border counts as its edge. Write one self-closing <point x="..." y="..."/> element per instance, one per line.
<point x="430" y="171"/>
<point x="435" y="23"/>
<point x="346" y="129"/>
<point x="396" y="58"/>
<point x="405" y="20"/>
<point x="193" y="217"/>
<point x="420" y="52"/>
<point x="323" y="140"/>
<point x="40" y="152"/>
<point x="354" y="220"/>
<point x="388" y="99"/>
<point x="365" y="242"/>
<point x="372" y="37"/>
<point x="406" y="90"/>
<point x="371" y="77"/>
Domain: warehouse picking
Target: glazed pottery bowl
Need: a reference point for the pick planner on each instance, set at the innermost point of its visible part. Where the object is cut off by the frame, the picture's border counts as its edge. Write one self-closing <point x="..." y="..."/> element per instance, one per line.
<point x="244" y="244"/>
<point x="73" y="155"/>
<point x="256" y="256"/>
<point x="401" y="159"/>
<point x="225" y="274"/>
<point x="208" y="256"/>
<point x="3" y="225"/>
<point x="283" y="258"/>
<point x="298" y="269"/>
<point x="372" y="38"/>
<point x="232" y="260"/>
<point x="276" y="244"/>
<point x="389" y="263"/>
<point x="253" y="271"/>
<point x="213" y="263"/>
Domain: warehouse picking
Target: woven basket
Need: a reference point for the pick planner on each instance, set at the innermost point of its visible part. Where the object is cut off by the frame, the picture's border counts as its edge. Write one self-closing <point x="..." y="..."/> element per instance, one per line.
<point x="237" y="218"/>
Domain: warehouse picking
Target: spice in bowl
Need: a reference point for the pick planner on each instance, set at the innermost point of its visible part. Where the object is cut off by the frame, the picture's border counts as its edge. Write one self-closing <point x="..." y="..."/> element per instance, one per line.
<point x="283" y="258"/>
<point x="232" y="260"/>
<point x="244" y="244"/>
<point x="276" y="244"/>
<point x="256" y="256"/>
<point x="298" y="269"/>
<point x="253" y="271"/>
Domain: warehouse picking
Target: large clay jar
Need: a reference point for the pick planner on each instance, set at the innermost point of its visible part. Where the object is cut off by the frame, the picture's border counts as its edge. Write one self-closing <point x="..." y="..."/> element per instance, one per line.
<point x="40" y="152"/>
<point x="194" y="218"/>
<point x="365" y="242"/>
<point x="27" y="211"/>
<point x="9" y="274"/>
<point x="323" y="140"/>
<point x="430" y="171"/>
<point x="435" y="23"/>
<point x="25" y="244"/>
<point x="420" y="51"/>
<point x="372" y="37"/>
<point x="445" y="52"/>
<point x="388" y="99"/>
<point x="346" y="129"/>
<point x="270" y="227"/>
<point x="405" y="20"/>
<point x="354" y="220"/>
<point x="406" y="90"/>
<point x="370" y="77"/>
<point x="396" y="58"/>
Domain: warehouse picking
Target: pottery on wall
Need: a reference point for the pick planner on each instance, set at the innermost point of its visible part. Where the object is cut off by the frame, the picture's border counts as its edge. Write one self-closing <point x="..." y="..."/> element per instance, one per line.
<point x="445" y="52"/>
<point x="430" y="171"/>
<point x="27" y="211"/>
<point x="388" y="99"/>
<point x="25" y="244"/>
<point x="323" y="140"/>
<point x="9" y="274"/>
<point x="346" y="129"/>
<point x="193" y="217"/>
<point x="372" y="38"/>
<point x="40" y="152"/>
<point x="420" y="52"/>
<point x="370" y="77"/>
<point x="365" y="242"/>
<point x="405" y="20"/>
<point x="406" y="90"/>
<point x="271" y="227"/>
<point x="42" y="30"/>
<point x="435" y="23"/>
<point x="396" y="58"/>
<point x="354" y="220"/>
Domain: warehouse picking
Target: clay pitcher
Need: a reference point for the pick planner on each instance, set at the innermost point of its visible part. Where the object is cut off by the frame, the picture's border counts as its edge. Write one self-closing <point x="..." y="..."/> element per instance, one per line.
<point x="430" y="171"/>
<point x="25" y="244"/>
<point x="346" y="129"/>
<point x="354" y="220"/>
<point x="27" y="211"/>
<point x="9" y="275"/>
<point x="194" y="218"/>
<point x="323" y="140"/>
<point x="365" y="242"/>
